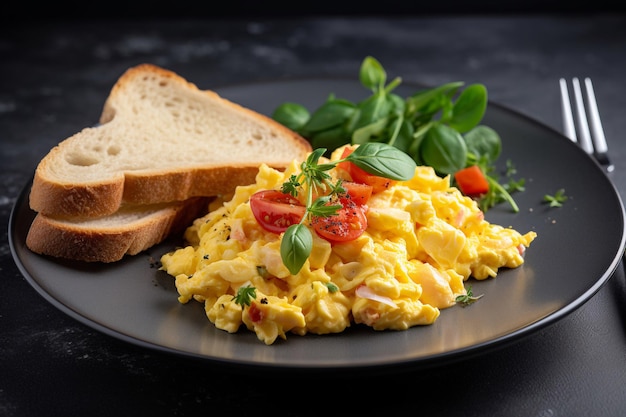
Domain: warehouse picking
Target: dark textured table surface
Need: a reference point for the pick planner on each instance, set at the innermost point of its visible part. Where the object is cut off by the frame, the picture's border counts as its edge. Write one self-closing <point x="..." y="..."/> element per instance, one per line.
<point x="54" y="78"/>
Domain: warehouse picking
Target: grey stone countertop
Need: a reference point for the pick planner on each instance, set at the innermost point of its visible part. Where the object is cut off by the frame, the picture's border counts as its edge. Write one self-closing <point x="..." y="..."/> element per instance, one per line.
<point x="54" y="77"/>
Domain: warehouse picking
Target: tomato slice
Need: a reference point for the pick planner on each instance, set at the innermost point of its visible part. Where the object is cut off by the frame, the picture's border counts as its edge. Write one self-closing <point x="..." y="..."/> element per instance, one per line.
<point x="359" y="193"/>
<point x="275" y="211"/>
<point x="358" y="175"/>
<point x="349" y="223"/>
<point x="377" y="183"/>
<point x="346" y="166"/>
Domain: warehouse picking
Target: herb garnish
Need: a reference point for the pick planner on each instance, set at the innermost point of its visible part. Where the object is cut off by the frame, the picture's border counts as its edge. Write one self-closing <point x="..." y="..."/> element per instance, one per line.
<point x="467" y="298"/>
<point x="499" y="191"/>
<point x="378" y="159"/>
<point x="557" y="199"/>
<point x="245" y="295"/>
<point x="438" y="127"/>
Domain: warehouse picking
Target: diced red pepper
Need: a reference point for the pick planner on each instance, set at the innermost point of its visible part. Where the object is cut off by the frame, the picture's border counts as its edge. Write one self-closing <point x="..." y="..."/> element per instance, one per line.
<point x="472" y="181"/>
<point x="255" y="313"/>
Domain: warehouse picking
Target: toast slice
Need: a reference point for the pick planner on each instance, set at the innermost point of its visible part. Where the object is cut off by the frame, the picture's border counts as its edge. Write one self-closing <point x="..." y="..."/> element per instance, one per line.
<point x="129" y="231"/>
<point x="161" y="139"/>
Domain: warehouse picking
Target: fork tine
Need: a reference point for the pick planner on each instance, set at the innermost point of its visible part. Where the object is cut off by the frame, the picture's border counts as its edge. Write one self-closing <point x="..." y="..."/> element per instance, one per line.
<point x="585" y="134"/>
<point x="595" y="144"/>
<point x="568" y="120"/>
<point x="599" y="140"/>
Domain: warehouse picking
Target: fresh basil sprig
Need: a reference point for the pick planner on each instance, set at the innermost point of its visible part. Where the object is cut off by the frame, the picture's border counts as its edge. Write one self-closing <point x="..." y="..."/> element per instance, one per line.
<point x="296" y="247"/>
<point x="378" y="159"/>
<point x="384" y="161"/>
<point x="439" y="127"/>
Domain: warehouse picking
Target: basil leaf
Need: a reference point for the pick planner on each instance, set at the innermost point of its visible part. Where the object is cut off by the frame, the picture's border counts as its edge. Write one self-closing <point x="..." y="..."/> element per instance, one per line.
<point x="444" y="149"/>
<point x="292" y="115"/>
<point x="403" y="138"/>
<point x="431" y="100"/>
<point x="469" y="108"/>
<point x="330" y="139"/>
<point x="372" y="74"/>
<point x="383" y="160"/>
<point x="483" y="141"/>
<point x="397" y="103"/>
<point x="365" y="133"/>
<point x="418" y="137"/>
<point x="374" y="108"/>
<point x="295" y="247"/>
<point x="331" y="114"/>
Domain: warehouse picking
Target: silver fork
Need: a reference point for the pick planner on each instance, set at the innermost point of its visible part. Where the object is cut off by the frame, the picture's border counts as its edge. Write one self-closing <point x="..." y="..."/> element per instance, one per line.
<point x="591" y="141"/>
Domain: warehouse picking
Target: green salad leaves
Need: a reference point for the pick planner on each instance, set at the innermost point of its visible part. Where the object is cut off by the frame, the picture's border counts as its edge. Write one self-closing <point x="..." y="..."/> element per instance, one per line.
<point x="439" y="127"/>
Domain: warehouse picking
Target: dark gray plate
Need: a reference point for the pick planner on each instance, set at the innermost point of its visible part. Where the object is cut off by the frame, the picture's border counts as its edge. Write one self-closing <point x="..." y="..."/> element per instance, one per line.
<point x="577" y="249"/>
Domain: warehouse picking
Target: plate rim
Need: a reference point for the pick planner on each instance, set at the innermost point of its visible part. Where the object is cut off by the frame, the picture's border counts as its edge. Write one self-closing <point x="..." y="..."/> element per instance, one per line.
<point x="378" y="365"/>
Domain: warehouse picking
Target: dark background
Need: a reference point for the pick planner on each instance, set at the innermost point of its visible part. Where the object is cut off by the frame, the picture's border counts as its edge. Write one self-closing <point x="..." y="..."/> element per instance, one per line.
<point x="58" y="62"/>
<point x="256" y="9"/>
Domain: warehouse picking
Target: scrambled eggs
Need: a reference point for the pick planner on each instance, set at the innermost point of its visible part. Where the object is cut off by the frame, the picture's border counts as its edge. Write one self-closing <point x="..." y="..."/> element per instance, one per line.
<point x="423" y="240"/>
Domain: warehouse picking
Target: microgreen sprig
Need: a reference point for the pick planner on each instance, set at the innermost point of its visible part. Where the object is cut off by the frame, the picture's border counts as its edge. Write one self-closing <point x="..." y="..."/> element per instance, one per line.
<point x="468" y="298"/>
<point x="378" y="159"/>
<point x="557" y="199"/>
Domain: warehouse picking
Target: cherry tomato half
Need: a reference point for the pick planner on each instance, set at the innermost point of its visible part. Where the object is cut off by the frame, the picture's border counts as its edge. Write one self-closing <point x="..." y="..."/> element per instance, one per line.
<point x="359" y="193"/>
<point x="349" y="223"/>
<point x="358" y="175"/>
<point x="275" y="211"/>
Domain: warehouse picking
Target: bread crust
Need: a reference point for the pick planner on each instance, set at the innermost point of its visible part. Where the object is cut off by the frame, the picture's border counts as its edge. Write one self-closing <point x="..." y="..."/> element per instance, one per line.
<point x="75" y="240"/>
<point x="54" y="197"/>
<point x="100" y="199"/>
